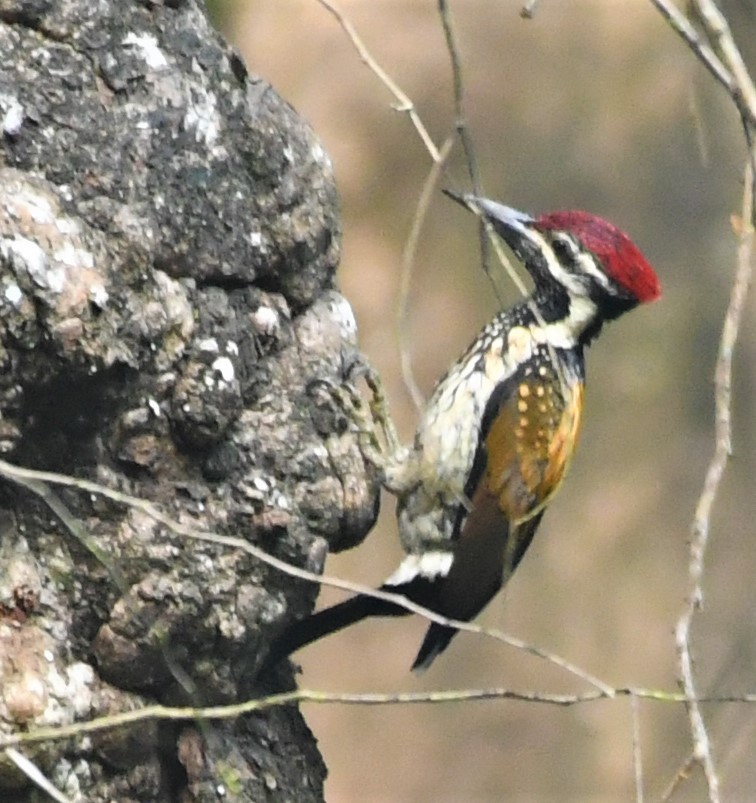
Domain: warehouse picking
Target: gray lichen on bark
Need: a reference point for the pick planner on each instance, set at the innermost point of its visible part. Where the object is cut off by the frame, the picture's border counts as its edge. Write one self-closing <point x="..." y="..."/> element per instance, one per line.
<point x="169" y="232"/>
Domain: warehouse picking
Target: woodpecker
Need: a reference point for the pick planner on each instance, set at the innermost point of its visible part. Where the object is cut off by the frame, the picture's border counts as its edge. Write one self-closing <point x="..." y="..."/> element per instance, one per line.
<point x="498" y="433"/>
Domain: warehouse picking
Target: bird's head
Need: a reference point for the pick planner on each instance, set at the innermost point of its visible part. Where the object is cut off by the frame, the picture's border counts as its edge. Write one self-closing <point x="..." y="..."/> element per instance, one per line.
<point x="574" y="252"/>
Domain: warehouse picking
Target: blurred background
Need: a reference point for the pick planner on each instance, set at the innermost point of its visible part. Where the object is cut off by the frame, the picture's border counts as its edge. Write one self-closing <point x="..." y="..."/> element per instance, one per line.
<point x="589" y="105"/>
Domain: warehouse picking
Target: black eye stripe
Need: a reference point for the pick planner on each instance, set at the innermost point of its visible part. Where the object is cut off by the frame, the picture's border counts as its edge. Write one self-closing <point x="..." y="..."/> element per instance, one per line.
<point x="575" y="261"/>
<point x="564" y="246"/>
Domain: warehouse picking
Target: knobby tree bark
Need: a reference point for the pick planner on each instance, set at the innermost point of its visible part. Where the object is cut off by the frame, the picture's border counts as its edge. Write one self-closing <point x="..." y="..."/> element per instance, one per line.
<point x="169" y="232"/>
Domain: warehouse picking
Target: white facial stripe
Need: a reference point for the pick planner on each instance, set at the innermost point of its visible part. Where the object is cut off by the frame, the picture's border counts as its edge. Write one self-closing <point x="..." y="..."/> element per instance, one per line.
<point x="588" y="265"/>
<point x="565" y="334"/>
<point x="570" y="282"/>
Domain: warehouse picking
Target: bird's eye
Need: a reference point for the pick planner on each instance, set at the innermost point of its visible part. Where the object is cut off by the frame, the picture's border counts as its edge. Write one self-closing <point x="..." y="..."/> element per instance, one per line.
<point x="564" y="247"/>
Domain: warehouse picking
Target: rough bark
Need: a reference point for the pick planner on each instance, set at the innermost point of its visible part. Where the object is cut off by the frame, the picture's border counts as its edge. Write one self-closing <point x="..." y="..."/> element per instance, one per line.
<point x="169" y="231"/>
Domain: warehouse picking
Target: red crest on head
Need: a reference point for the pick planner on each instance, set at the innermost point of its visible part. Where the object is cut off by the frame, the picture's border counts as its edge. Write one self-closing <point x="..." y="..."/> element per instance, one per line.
<point x="622" y="260"/>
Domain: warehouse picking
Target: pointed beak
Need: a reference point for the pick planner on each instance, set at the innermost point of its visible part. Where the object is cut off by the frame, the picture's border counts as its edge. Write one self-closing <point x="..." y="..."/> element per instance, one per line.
<point x="510" y="224"/>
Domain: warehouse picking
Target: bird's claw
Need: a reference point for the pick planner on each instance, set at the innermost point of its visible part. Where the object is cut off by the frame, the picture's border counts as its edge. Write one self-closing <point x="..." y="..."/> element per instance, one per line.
<point x="366" y="418"/>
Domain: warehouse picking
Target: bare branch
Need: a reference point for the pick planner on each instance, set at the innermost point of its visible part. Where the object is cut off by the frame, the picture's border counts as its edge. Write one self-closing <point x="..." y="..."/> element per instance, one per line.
<point x="488" y="237"/>
<point x="702" y="517"/>
<point x="720" y="35"/>
<point x="732" y="73"/>
<point x="742" y="90"/>
<point x="439" y="156"/>
<point x="297" y="696"/>
<point x="463" y="131"/>
<point x="23" y="475"/>
<point x="460" y="121"/>
<point x="637" y="750"/>
<point x="681" y="775"/>
<point x="408" y="260"/>
<point x="701" y="744"/>
<point x="35" y="775"/>
<point x="722" y="57"/>
<point x="683" y="27"/>
<point x="404" y="102"/>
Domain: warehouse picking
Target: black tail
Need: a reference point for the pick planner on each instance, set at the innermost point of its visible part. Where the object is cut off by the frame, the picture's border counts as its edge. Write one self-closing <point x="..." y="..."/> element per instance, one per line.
<point x="436" y="640"/>
<point x="328" y="621"/>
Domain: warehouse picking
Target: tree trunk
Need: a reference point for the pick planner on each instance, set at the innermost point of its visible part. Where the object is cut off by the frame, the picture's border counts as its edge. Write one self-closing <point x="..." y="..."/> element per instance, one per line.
<point x="169" y="231"/>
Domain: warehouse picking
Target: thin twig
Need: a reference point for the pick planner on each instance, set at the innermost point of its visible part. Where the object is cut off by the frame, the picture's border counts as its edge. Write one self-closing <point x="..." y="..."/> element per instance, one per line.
<point x="701" y="743"/>
<point x="723" y="59"/>
<point x="73" y="525"/>
<point x="405" y="276"/>
<point x="35" y="775"/>
<point x="404" y="102"/>
<point x="720" y="35"/>
<point x="732" y="73"/>
<point x="438" y="157"/>
<point x="722" y="451"/>
<point x="683" y="27"/>
<point x="460" y="122"/>
<point x="682" y="774"/>
<point x="22" y="475"/>
<point x="488" y="237"/>
<point x="637" y="749"/>
<point x="297" y="696"/>
<point x="742" y="89"/>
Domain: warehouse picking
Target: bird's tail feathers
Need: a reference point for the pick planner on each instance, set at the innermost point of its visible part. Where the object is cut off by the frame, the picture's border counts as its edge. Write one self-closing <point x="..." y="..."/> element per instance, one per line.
<point x="435" y="642"/>
<point x="327" y="621"/>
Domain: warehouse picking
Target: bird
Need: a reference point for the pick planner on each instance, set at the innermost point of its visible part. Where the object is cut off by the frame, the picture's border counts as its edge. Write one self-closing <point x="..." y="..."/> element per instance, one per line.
<point x="497" y="435"/>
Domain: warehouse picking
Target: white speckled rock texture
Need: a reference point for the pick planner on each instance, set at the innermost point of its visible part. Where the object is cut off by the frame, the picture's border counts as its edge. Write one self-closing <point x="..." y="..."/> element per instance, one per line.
<point x="169" y="233"/>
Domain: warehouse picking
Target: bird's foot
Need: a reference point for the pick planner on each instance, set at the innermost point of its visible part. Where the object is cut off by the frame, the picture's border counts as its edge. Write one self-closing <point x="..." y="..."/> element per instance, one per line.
<point x="369" y="419"/>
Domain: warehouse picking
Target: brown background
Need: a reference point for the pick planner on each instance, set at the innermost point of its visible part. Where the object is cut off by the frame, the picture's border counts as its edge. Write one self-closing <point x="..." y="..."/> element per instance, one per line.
<point x="593" y="105"/>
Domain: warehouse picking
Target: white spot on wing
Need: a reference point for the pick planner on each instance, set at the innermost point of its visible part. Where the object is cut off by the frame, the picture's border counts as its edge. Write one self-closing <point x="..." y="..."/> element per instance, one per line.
<point x="429" y="565"/>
